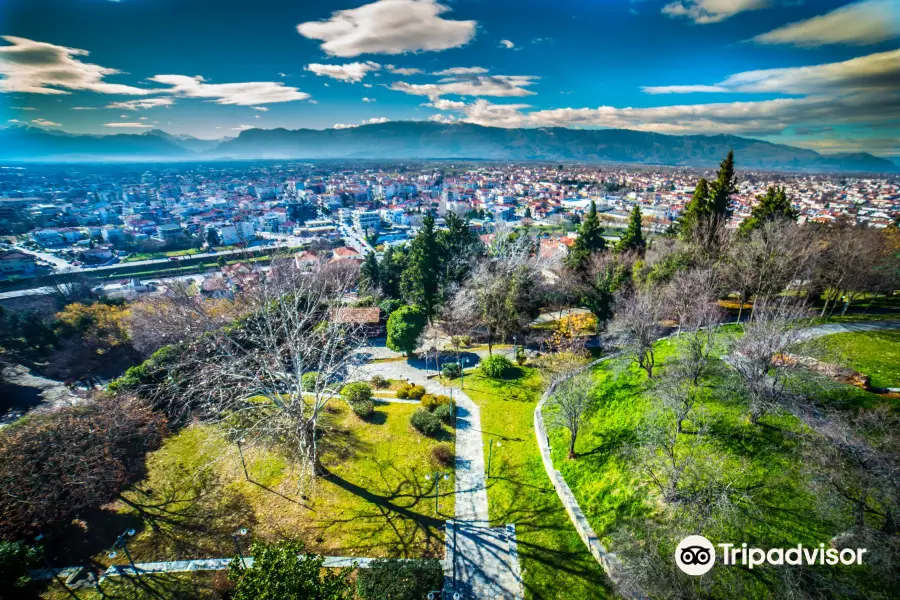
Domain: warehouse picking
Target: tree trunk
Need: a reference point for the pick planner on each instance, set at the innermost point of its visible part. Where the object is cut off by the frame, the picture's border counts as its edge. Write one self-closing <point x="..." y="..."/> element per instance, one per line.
<point x="574" y="435"/>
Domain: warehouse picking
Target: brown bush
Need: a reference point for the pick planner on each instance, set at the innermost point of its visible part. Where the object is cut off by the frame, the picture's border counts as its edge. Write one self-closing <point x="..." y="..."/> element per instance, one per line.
<point x="53" y="466"/>
<point x="442" y="455"/>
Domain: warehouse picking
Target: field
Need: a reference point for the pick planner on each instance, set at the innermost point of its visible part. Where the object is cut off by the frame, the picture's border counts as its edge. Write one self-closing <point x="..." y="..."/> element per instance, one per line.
<point x="555" y="563"/>
<point x="762" y="461"/>
<point x="375" y="500"/>
<point x="872" y="353"/>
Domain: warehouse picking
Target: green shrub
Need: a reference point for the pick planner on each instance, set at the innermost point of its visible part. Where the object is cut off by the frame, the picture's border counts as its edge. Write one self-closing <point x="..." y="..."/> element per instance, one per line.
<point x="520" y="356"/>
<point x="443" y="400"/>
<point x="429" y="401"/>
<point x="444" y="412"/>
<point x="16" y="558"/>
<point x="379" y="382"/>
<point x="308" y="381"/>
<point x="451" y="370"/>
<point x="388" y="306"/>
<point x="403" y="329"/>
<point x="442" y="455"/>
<point x="416" y="392"/>
<point x="495" y="366"/>
<point x="425" y="422"/>
<point x="399" y="579"/>
<point x="403" y="390"/>
<point x="363" y="409"/>
<point x="357" y="392"/>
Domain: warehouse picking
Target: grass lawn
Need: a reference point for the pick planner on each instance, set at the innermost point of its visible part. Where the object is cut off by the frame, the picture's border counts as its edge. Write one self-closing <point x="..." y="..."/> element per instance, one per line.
<point x="872" y="353"/>
<point x="375" y="502"/>
<point x="555" y="562"/>
<point x="613" y="492"/>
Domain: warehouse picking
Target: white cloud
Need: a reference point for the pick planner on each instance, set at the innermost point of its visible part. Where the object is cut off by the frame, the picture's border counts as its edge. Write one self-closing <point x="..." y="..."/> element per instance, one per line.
<point x="45" y="123"/>
<point x="142" y="118"/>
<point x="127" y="125"/>
<point x="282" y="75"/>
<point x="23" y="108"/>
<point x="873" y="73"/>
<point x="765" y="117"/>
<point x="242" y="127"/>
<point x="260" y="108"/>
<point x="343" y="126"/>
<point x="389" y="27"/>
<point x="442" y="118"/>
<point x="443" y="104"/>
<point x="711" y="11"/>
<point x="13" y="121"/>
<point x="83" y="108"/>
<point x="858" y="24"/>
<point x="142" y="103"/>
<point x="402" y="70"/>
<point x="477" y="85"/>
<point x="462" y="71"/>
<point x="42" y="68"/>
<point x="683" y="89"/>
<point x="350" y="72"/>
<point x="507" y="44"/>
<point x="375" y="120"/>
<point x="244" y="94"/>
<point x="368" y="99"/>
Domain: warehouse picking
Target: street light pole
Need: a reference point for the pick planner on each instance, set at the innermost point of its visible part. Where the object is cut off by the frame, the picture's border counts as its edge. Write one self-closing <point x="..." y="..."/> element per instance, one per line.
<point x="236" y="536"/>
<point x="243" y="463"/>
<point x="437" y="485"/>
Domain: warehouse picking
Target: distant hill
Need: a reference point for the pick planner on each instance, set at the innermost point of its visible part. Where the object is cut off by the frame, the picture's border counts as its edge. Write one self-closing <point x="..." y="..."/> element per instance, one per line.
<point x="33" y="143"/>
<point x="426" y="140"/>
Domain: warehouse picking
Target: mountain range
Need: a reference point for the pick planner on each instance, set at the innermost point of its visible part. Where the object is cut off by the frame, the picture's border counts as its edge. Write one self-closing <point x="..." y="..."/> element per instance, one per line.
<point x="428" y="140"/>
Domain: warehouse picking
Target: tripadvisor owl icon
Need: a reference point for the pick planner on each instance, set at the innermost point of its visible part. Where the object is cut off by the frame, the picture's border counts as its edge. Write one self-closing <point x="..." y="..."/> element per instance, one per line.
<point x="695" y="555"/>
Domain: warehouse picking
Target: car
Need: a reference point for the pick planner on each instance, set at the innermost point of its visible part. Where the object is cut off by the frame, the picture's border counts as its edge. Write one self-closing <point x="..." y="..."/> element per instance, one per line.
<point x="173" y="258"/>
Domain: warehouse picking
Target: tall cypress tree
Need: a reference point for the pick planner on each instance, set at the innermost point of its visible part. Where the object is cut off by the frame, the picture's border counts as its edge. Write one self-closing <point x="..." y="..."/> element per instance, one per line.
<point x="773" y="206"/>
<point x="368" y="273"/>
<point x="723" y="188"/>
<point x="589" y="240"/>
<point x="633" y="238"/>
<point x="420" y="278"/>
<point x="390" y="271"/>
<point x="696" y="210"/>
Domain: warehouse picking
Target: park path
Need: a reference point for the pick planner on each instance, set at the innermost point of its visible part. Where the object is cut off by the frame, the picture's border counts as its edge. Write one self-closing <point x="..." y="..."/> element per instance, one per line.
<point x="481" y="562"/>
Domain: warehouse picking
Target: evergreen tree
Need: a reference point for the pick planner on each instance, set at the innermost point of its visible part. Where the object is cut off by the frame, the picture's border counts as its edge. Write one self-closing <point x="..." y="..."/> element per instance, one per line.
<point x="420" y="278"/>
<point x="390" y="271"/>
<point x="458" y="246"/>
<point x="368" y="273"/>
<point x="773" y="206"/>
<point x="589" y="240"/>
<point x="633" y="238"/>
<point x="723" y="188"/>
<point x="696" y="210"/>
<point x="527" y="212"/>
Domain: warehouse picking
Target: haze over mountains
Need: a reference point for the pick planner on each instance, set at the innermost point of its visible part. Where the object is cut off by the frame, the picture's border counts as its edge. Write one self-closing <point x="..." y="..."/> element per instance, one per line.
<point x="427" y="140"/>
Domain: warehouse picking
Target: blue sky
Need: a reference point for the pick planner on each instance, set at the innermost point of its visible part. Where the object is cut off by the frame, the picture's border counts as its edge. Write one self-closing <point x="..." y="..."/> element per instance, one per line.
<point x="819" y="73"/>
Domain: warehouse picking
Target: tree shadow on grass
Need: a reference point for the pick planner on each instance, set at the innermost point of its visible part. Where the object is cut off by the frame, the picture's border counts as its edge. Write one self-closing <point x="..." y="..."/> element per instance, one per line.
<point x="396" y="503"/>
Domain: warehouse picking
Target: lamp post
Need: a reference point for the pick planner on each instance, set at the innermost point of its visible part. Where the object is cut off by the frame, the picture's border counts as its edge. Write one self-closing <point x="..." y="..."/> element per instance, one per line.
<point x="491" y="455"/>
<point x="462" y="373"/>
<point x="515" y="348"/>
<point x="243" y="463"/>
<point x="437" y="485"/>
<point x="236" y="536"/>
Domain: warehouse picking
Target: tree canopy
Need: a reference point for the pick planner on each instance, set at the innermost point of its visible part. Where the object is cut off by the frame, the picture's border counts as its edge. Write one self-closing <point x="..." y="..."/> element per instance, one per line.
<point x="589" y="240"/>
<point x="633" y="238"/>
<point x="773" y="206"/>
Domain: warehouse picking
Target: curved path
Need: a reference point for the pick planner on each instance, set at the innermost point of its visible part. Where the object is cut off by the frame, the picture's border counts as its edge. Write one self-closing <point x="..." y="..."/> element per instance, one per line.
<point x="608" y="560"/>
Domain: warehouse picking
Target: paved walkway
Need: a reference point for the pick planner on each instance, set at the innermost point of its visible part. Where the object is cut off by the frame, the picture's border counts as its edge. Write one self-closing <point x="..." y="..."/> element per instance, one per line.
<point x="482" y="562"/>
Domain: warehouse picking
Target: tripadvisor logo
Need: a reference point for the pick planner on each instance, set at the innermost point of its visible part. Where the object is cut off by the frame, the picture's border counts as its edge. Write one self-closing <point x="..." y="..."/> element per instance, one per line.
<point x="696" y="555"/>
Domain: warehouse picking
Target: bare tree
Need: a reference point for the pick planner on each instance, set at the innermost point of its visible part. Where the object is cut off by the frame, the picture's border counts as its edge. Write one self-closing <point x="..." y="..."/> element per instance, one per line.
<point x="570" y="403"/>
<point x="506" y="290"/>
<point x="775" y="257"/>
<point x="635" y="326"/>
<point x="178" y="314"/>
<point x="758" y="357"/>
<point x="247" y="375"/>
